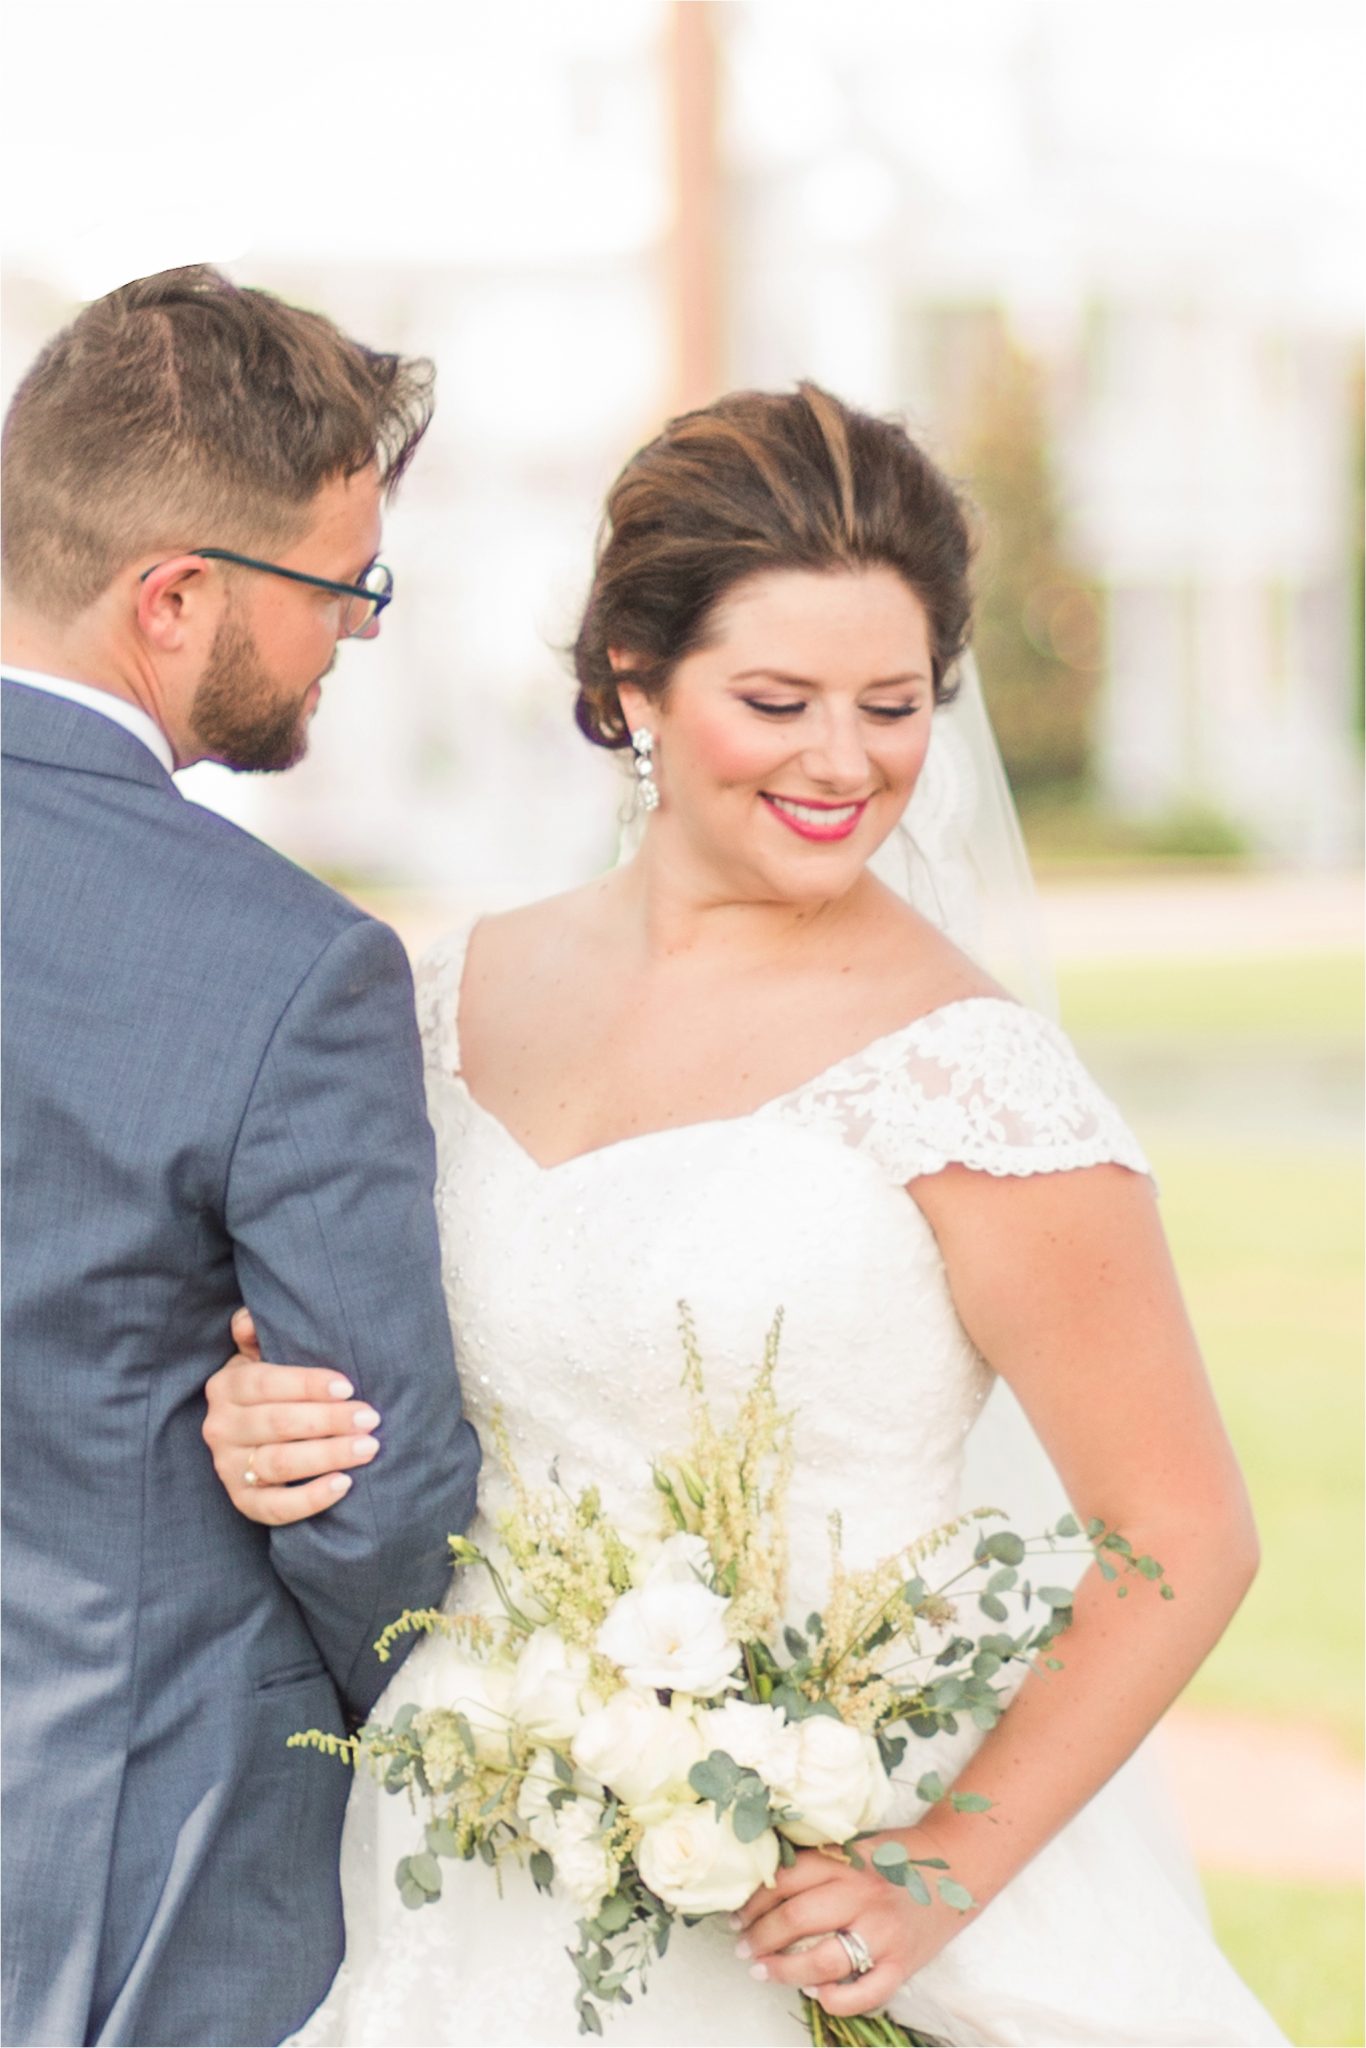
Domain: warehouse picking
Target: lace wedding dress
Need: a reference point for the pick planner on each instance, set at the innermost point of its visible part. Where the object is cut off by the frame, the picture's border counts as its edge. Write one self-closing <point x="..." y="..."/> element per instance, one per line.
<point x="563" y="1284"/>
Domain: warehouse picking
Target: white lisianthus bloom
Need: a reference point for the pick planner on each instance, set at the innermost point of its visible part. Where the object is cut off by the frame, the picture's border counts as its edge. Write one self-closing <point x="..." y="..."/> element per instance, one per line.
<point x="541" y="1779"/>
<point x="550" y="1686"/>
<point x="760" y="1739"/>
<point x="681" y="1560"/>
<point x="669" y="1637"/>
<point x="641" y="1751"/>
<point x="839" y="1786"/>
<point x="584" y="1866"/>
<point x="482" y="1693"/>
<point x="697" y="1864"/>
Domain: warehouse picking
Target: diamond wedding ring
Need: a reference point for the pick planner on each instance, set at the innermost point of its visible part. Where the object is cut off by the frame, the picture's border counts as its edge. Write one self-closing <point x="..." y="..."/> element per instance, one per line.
<point x="856" y="1951"/>
<point x="250" y="1477"/>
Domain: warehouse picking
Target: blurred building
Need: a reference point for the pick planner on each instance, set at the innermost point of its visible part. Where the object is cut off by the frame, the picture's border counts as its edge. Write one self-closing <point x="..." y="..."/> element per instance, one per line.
<point x="636" y="205"/>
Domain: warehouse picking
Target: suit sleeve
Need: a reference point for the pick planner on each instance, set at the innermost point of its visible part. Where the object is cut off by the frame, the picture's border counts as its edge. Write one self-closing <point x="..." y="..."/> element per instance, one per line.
<point x="330" y="1209"/>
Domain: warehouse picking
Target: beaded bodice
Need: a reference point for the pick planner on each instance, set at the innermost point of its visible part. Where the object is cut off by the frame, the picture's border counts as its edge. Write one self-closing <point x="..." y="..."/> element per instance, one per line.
<point x="564" y="1282"/>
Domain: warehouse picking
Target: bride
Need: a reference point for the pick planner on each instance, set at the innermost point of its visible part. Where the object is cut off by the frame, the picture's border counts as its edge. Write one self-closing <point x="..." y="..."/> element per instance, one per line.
<point x="742" y="1071"/>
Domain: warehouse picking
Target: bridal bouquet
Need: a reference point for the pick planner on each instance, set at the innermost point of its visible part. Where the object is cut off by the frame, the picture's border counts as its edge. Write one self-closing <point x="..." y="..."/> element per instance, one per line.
<point x="640" y="1723"/>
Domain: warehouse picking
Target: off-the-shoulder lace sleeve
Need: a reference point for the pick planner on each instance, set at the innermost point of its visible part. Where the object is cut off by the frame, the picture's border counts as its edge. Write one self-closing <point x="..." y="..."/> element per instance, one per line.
<point x="981" y="1083"/>
<point x="436" y="987"/>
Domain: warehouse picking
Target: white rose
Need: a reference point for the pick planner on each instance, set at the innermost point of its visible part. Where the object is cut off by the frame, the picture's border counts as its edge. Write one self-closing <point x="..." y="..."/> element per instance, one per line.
<point x="583" y="1864"/>
<point x="639" y="1750"/>
<point x="839" y="1786"/>
<point x="681" y="1560"/>
<point x="757" y="1738"/>
<point x="697" y="1864"/>
<point x="671" y="1638"/>
<point x="549" y="1686"/>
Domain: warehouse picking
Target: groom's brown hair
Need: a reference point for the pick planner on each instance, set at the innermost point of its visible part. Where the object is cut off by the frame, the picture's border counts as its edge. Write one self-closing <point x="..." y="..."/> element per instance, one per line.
<point x="181" y="411"/>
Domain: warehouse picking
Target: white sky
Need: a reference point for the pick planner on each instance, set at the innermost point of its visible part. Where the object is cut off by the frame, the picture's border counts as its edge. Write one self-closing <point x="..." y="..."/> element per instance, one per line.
<point x="431" y="131"/>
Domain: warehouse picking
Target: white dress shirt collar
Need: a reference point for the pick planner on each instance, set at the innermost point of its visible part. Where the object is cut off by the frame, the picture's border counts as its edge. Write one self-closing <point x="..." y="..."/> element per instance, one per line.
<point x="131" y="717"/>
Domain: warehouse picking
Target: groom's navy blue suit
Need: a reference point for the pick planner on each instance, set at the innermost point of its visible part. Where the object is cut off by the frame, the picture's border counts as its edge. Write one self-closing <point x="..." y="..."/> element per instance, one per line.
<point x="212" y="1093"/>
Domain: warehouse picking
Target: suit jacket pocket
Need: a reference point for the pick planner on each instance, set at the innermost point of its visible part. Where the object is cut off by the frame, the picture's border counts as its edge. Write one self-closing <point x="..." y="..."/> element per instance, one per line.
<point x="303" y="1671"/>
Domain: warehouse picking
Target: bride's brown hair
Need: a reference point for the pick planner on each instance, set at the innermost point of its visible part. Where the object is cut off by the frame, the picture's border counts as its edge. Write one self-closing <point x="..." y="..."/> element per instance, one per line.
<point x="761" y="481"/>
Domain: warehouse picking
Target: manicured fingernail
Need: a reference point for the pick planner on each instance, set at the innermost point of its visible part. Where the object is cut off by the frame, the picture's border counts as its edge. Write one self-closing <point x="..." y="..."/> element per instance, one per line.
<point x="364" y="1418"/>
<point x="743" y="1950"/>
<point x="365" y="1446"/>
<point x="340" y="1390"/>
<point x="808" y="1991"/>
<point x="339" y="1483"/>
<point x="758" y="1970"/>
<point x="734" y="1922"/>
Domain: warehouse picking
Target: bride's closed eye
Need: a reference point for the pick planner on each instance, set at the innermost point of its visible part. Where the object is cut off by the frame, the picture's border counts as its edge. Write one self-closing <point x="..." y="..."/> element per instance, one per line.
<point x="769" y="709"/>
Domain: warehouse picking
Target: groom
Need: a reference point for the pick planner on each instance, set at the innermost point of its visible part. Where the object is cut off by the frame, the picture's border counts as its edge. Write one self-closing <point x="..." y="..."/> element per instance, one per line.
<point x="213" y="1094"/>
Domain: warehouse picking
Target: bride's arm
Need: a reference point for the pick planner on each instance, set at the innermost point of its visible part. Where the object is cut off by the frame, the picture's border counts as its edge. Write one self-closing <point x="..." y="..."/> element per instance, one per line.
<point x="1065" y="1284"/>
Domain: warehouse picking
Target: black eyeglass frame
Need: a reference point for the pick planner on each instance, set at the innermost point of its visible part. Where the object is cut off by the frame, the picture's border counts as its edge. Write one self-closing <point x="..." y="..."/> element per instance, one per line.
<point x="376" y="599"/>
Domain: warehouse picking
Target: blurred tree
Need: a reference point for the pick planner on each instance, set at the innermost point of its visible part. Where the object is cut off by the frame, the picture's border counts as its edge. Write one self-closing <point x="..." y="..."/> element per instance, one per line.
<point x="1037" y="633"/>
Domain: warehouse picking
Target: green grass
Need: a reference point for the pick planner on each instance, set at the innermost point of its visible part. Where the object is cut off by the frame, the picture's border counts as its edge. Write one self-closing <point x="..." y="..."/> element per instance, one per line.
<point x="1300" y="1949"/>
<point x="1268" y="1246"/>
<point x="1268" y="1239"/>
<point x="1308" y="1003"/>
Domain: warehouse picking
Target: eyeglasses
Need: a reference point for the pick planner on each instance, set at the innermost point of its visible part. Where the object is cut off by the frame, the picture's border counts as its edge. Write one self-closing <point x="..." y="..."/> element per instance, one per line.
<point x="365" y="600"/>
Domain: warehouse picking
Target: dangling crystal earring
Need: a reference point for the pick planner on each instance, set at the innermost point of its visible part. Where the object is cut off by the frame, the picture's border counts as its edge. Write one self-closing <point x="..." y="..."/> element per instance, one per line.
<point x="644" y="743"/>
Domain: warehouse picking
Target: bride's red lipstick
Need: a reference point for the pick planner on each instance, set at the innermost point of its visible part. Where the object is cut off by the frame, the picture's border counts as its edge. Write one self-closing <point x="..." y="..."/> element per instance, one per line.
<point x="843" y="818"/>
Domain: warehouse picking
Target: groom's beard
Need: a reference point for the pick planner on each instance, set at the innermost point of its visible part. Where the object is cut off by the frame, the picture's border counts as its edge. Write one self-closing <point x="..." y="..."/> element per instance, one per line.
<point x="239" y="716"/>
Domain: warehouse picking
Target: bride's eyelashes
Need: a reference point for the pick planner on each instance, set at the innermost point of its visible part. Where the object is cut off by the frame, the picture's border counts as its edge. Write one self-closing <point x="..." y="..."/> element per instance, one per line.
<point x="790" y="710"/>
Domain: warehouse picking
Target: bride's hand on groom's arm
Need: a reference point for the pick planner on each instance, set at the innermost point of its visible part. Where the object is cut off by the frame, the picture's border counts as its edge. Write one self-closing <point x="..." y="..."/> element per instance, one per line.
<point x="817" y="1894"/>
<point x="282" y="1440"/>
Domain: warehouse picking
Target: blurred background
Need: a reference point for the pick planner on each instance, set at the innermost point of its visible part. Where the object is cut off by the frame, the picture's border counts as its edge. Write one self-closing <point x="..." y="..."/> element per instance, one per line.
<point x="1106" y="260"/>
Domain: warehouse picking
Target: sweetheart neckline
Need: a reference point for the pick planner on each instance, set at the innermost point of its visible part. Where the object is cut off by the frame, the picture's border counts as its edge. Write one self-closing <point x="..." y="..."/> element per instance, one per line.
<point x="770" y="1103"/>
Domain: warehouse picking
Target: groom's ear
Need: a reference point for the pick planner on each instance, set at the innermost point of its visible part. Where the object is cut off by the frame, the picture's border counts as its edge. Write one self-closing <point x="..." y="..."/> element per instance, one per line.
<point x="172" y="602"/>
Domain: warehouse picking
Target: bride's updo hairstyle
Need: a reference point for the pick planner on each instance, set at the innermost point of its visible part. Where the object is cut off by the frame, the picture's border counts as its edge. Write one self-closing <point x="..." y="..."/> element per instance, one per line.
<point x="757" y="482"/>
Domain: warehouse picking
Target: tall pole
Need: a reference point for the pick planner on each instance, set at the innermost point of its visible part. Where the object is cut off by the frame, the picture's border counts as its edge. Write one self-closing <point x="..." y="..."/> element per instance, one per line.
<point x="694" y="246"/>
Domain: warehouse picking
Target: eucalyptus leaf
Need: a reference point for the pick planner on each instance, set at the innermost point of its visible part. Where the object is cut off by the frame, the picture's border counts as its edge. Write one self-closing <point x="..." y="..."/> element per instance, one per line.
<point x="1006" y="1547"/>
<point x="890" y="1856"/>
<point x="994" y="1609"/>
<point x="424" y="1869"/>
<point x="465" y="1732"/>
<point x="749" y="1818"/>
<point x="796" y="1643"/>
<point x="915" y="1884"/>
<point x="615" y="1913"/>
<point x="930" y="1788"/>
<point x="1056" y="1596"/>
<point x="955" y="1894"/>
<point x="542" y="1870"/>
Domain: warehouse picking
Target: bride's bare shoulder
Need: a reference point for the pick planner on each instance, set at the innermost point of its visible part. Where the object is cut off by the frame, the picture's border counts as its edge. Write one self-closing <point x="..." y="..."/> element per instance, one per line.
<point x="916" y="966"/>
